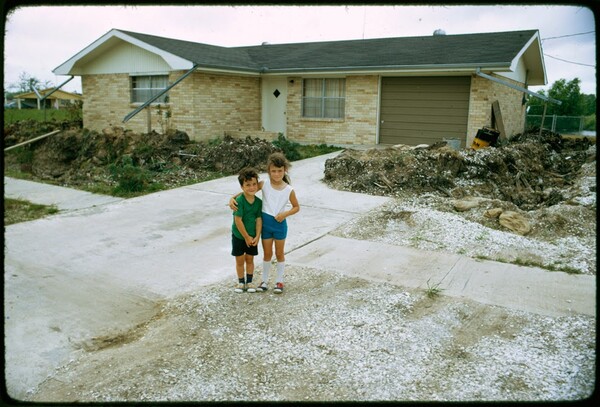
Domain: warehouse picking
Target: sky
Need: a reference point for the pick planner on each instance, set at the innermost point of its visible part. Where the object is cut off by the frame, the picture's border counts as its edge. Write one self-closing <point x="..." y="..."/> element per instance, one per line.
<point x="40" y="38"/>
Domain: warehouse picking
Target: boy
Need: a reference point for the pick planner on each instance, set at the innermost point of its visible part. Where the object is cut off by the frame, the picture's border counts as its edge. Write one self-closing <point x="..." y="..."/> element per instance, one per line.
<point x="246" y="229"/>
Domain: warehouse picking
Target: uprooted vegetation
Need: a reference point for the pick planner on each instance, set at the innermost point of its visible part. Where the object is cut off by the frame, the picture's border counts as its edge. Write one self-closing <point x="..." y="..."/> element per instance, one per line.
<point x="529" y="171"/>
<point x="125" y="163"/>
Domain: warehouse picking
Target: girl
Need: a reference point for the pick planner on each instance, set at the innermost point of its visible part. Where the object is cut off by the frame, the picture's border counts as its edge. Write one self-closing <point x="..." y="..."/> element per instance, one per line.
<point x="276" y="193"/>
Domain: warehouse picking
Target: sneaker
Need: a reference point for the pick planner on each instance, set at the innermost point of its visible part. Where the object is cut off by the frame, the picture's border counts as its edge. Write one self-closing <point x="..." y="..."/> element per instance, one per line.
<point x="239" y="288"/>
<point x="278" y="288"/>
<point x="262" y="287"/>
<point x="251" y="287"/>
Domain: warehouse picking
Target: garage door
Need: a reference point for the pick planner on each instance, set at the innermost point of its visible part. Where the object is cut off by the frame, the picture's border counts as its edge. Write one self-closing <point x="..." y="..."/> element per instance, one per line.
<point x="424" y="110"/>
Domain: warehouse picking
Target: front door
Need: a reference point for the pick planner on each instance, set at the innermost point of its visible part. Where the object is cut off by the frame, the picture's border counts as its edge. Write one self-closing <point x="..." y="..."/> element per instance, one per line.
<point x="274" y="101"/>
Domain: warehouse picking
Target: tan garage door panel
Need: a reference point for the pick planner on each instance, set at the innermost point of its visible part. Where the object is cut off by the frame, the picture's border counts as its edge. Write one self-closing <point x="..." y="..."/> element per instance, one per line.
<point x="424" y="110"/>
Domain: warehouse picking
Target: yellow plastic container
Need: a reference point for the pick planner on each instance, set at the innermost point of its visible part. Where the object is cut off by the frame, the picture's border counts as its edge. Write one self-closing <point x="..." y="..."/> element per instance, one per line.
<point x="479" y="143"/>
<point x="485" y="137"/>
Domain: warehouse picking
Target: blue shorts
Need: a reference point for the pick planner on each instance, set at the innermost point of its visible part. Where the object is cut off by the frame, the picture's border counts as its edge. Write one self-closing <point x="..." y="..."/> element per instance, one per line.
<point x="271" y="229"/>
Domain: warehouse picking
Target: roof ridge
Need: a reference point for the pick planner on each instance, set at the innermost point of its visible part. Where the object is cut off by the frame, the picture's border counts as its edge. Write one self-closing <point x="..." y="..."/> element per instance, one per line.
<point x="389" y="38"/>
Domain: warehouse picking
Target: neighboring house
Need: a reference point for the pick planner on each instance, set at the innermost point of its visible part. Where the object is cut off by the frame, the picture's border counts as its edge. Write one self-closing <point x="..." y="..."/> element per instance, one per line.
<point x="57" y="100"/>
<point x="13" y="104"/>
<point x="408" y="90"/>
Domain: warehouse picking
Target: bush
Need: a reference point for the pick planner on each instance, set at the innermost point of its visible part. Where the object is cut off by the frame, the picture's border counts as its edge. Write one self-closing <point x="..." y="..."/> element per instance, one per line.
<point x="289" y="148"/>
<point x="130" y="178"/>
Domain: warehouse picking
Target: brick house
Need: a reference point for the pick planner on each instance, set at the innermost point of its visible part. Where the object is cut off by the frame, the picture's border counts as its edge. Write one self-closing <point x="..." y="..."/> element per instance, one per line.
<point x="408" y="90"/>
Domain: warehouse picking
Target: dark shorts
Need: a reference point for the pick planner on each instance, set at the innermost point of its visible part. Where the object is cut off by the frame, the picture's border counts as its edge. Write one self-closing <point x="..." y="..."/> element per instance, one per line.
<point x="272" y="229"/>
<point x="239" y="247"/>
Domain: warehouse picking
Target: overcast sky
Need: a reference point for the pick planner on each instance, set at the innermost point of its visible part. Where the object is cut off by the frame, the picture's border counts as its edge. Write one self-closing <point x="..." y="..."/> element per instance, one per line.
<point x="39" y="38"/>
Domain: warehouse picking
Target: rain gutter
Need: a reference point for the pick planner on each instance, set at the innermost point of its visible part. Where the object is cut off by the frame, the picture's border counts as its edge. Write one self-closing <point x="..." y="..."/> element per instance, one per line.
<point x="519" y="88"/>
<point x="153" y="98"/>
<point x="466" y="67"/>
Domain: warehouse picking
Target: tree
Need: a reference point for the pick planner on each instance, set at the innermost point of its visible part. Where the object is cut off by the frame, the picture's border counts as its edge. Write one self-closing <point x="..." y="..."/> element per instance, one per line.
<point x="26" y="81"/>
<point x="569" y="93"/>
<point x="574" y="103"/>
<point x="589" y="104"/>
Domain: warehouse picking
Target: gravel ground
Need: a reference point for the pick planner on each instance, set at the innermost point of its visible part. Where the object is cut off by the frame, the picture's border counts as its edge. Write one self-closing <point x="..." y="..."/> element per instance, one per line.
<point x="332" y="338"/>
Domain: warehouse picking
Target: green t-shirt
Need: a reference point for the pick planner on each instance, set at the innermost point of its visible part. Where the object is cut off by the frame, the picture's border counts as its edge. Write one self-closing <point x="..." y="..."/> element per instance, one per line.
<point x="249" y="212"/>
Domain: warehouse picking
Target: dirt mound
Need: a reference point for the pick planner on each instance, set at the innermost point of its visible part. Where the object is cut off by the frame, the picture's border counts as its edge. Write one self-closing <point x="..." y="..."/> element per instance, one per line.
<point x="530" y="171"/>
<point x="76" y="156"/>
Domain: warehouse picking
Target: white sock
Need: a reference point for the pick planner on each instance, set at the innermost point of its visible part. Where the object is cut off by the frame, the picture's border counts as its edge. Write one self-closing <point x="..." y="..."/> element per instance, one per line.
<point x="265" y="271"/>
<point x="280" y="267"/>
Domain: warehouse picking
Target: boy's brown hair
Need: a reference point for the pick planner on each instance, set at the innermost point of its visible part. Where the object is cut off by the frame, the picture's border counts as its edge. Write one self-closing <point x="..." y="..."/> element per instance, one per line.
<point x="246" y="174"/>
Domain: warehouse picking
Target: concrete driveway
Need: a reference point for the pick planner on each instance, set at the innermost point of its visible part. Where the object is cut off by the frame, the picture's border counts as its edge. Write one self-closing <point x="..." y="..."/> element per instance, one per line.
<point x="105" y="264"/>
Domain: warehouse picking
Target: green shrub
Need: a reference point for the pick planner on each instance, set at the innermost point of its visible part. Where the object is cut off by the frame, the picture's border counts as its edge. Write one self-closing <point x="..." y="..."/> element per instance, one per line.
<point x="130" y="178"/>
<point x="289" y="148"/>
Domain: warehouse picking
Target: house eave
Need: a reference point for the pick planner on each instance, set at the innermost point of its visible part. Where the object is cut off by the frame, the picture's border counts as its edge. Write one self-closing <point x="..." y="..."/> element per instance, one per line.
<point x="70" y="67"/>
<point x="532" y="55"/>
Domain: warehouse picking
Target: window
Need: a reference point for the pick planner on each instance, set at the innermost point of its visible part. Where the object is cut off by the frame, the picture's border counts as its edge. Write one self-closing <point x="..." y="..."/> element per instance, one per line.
<point x="144" y="87"/>
<point x="324" y="98"/>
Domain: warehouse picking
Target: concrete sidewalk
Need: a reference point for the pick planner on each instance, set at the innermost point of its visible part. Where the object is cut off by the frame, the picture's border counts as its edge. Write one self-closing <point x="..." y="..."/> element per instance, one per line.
<point x="104" y="265"/>
<point x="65" y="199"/>
<point x="488" y="282"/>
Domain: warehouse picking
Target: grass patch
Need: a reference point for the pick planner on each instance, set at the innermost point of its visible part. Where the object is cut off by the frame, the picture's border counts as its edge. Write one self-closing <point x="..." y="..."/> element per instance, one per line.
<point x="433" y="291"/>
<point x="315" y="150"/>
<point x="15" y="115"/>
<point x="529" y="263"/>
<point x="17" y="211"/>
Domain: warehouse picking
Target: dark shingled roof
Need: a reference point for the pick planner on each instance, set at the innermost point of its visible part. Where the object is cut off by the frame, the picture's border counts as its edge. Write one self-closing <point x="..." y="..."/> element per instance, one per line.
<point x="484" y="49"/>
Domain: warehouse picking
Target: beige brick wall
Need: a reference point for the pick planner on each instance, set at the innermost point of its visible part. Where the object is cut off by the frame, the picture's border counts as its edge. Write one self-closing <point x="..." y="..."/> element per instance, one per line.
<point x="483" y="93"/>
<point x="103" y="100"/>
<point x="359" y="125"/>
<point x="206" y="106"/>
<point x="203" y="105"/>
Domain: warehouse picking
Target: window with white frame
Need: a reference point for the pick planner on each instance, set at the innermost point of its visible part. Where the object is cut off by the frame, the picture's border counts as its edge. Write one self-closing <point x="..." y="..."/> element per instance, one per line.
<point x="324" y="98"/>
<point x="145" y="87"/>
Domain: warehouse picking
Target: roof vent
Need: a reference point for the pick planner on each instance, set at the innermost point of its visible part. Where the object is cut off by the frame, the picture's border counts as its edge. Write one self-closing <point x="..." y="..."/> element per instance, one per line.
<point x="439" y="31"/>
<point x="265" y="43"/>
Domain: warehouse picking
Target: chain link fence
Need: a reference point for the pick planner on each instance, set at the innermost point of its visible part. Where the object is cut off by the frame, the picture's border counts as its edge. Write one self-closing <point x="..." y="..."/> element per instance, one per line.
<point x="559" y="124"/>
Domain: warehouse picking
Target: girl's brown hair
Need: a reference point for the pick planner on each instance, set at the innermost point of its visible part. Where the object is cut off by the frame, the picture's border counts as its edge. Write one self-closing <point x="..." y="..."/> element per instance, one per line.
<point x="279" y="160"/>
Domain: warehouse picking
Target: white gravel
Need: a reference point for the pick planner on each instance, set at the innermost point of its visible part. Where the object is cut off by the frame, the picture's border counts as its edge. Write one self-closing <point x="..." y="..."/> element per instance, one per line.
<point x="334" y="338"/>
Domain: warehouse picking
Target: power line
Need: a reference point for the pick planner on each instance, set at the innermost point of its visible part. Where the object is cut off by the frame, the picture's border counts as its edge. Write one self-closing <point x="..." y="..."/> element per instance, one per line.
<point x="571" y="62"/>
<point x="568" y="35"/>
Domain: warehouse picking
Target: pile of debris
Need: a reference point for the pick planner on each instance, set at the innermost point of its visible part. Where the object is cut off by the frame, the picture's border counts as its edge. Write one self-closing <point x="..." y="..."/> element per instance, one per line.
<point x="76" y="157"/>
<point x="529" y="170"/>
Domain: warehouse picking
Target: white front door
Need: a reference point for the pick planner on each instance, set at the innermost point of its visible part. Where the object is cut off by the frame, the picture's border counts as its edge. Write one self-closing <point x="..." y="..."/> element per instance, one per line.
<point x="274" y="101"/>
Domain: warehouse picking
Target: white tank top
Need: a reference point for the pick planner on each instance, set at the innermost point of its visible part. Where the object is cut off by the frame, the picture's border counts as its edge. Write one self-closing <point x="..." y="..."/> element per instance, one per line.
<point x="274" y="200"/>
